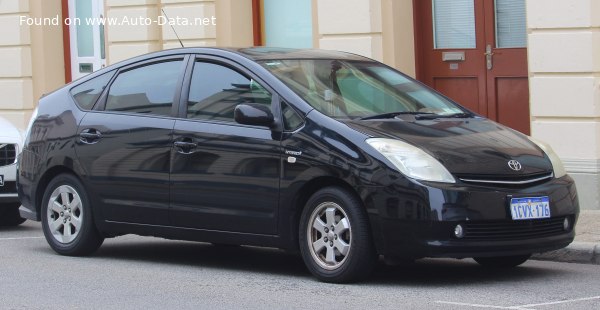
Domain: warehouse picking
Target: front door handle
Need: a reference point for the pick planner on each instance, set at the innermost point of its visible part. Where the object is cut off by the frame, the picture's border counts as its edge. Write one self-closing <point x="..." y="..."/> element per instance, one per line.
<point x="90" y="136"/>
<point x="185" y="147"/>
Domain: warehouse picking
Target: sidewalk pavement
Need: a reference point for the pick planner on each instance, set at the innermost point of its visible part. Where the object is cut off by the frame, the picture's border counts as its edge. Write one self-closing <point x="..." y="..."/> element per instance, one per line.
<point x="586" y="247"/>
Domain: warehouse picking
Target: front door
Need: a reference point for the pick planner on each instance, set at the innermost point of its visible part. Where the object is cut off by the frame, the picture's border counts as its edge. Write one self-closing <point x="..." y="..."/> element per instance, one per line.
<point x="475" y="52"/>
<point x="86" y="32"/>
<point x="224" y="176"/>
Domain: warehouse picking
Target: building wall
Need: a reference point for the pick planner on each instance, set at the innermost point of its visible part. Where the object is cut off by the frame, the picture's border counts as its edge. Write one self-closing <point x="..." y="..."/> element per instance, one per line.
<point x="232" y="23"/>
<point x="564" y="65"/>
<point x="31" y="58"/>
<point x="379" y="29"/>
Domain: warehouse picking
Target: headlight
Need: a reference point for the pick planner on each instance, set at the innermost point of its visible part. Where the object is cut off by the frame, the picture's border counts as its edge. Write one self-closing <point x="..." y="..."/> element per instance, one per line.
<point x="411" y="160"/>
<point x="559" y="169"/>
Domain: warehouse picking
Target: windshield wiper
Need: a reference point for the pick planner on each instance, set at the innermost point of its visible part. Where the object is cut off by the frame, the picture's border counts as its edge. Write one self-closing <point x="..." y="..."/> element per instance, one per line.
<point x="453" y="115"/>
<point x="394" y="114"/>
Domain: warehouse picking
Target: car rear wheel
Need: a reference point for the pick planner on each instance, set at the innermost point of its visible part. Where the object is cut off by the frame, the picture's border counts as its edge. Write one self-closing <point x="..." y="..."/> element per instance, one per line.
<point x="9" y="215"/>
<point x="502" y="261"/>
<point x="67" y="219"/>
<point x="334" y="236"/>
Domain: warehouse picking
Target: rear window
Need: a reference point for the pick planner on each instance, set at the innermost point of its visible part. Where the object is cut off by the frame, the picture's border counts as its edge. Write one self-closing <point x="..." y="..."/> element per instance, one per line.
<point x="86" y="94"/>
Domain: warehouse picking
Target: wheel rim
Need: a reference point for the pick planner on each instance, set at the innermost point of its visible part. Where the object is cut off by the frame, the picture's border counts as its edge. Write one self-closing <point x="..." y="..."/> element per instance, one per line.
<point x="65" y="214"/>
<point x="329" y="235"/>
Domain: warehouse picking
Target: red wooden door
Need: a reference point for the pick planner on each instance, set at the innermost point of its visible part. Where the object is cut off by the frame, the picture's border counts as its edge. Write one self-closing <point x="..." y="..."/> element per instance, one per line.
<point x="474" y="51"/>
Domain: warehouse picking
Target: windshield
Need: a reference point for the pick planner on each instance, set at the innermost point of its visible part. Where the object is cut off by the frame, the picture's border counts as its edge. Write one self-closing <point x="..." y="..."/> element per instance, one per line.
<point x="358" y="89"/>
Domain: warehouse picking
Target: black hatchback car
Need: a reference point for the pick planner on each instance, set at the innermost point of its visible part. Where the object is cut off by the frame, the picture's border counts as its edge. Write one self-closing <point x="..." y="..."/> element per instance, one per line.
<point x="330" y="154"/>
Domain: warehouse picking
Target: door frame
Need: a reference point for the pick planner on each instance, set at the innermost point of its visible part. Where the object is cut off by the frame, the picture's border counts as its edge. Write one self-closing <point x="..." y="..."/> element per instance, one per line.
<point x="70" y="39"/>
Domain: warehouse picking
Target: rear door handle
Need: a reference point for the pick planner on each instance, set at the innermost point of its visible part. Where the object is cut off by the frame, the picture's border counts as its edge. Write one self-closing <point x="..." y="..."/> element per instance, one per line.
<point x="185" y="147"/>
<point x="90" y="136"/>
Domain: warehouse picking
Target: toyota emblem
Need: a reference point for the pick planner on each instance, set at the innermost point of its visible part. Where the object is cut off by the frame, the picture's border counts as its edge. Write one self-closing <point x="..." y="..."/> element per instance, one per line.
<point x="515" y="165"/>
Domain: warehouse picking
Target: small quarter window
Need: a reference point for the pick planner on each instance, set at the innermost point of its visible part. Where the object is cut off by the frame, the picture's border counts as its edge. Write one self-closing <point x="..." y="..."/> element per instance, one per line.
<point x="216" y="90"/>
<point x="291" y="119"/>
<point x="87" y="93"/>
<point x="146" y="90"/>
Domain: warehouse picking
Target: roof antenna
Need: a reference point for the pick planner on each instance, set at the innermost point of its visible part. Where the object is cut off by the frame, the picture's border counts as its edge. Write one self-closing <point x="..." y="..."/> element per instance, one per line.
<point x="165" y="14"/>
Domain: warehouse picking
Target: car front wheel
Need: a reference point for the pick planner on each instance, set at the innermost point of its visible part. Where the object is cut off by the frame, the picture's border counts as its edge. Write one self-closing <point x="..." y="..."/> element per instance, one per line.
<point x="335" y="239"/>
<point x="502" y="261"/>
<point x="67" y="219"/>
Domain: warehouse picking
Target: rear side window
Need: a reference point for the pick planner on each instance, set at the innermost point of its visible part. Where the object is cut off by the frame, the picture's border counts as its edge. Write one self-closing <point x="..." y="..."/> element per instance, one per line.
<point x="145" y="90"/>
<point x="86" y="94"/>
<point x="216" y="90"/>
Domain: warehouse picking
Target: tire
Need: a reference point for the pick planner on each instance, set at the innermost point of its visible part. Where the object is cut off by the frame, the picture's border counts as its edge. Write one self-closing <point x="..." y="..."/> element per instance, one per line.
<point x="502" y="261"/>
<point x="9" y="215"/>
<point x="67" y="219"/>
<point x="345" y="253"/>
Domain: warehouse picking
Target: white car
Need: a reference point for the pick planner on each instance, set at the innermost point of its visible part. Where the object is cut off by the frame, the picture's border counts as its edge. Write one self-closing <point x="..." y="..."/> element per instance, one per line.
<point x="11" y="141"/>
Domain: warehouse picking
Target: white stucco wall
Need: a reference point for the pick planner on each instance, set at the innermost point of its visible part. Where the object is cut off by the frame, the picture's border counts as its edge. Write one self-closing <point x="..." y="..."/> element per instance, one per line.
<point x="564" y="65"/>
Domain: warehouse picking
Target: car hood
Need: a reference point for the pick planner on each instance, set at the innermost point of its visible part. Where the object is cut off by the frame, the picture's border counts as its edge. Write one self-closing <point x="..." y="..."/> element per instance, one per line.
<point x="470" y="146"/>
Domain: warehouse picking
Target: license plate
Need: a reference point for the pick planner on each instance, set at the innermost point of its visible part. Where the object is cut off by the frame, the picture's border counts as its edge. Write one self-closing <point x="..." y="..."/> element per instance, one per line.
<point x="530" y="208"/>
<point x="1" y="180"/>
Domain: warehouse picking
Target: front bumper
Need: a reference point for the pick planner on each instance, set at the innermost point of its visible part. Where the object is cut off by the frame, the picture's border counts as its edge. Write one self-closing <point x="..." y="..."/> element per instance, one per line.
<point x="8" y="190"/>
<point x="417" y="220"/>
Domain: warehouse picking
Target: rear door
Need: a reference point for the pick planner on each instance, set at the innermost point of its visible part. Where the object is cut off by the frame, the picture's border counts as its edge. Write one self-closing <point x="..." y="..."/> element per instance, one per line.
<point x="125" y="144"/>
<point x="225" y="176"/>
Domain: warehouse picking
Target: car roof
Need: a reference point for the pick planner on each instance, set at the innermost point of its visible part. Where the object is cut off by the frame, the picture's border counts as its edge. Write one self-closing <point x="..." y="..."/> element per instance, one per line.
<point x="249" y="53"/>
<point x="253" y="53"/>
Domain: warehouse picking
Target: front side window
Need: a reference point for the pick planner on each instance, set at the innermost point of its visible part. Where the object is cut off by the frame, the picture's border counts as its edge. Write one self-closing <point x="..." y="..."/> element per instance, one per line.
<point x="146" y="90"/>
<point x="86" y="94"/>
<point x="356" y="89"/>
<point x="216" y="90"/>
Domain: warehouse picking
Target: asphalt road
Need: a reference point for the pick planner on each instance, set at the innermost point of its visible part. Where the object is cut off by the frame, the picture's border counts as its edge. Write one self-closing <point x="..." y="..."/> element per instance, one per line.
<point x="133" y="272"/>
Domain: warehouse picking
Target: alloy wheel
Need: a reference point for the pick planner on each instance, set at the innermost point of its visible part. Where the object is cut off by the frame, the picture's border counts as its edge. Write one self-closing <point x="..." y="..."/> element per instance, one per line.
<point x="329" y="235"/>
<point x="65" y="214"/>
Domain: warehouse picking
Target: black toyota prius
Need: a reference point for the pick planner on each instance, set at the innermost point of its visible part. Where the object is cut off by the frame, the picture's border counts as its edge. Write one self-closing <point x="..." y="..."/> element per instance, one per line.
<point x="330" y="154"/>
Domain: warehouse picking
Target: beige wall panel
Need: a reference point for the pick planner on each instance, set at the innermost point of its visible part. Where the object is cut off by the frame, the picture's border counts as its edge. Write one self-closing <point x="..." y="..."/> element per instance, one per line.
<point x="399" y="35"/>
<point x="19" y="34"/>
<point x="570" y="139"/>
<point x="563" y="13"/>
<point x="16" y="94"/>
<point x="192" y="13"/>
<point x="234" y="23"/>
<point x="189" y="43"/>
<point x="564" y="51"/>
<point x="130" y="2"/>
<point x="369" y="46"/>
<point x="17" y="61"/>
<point x="565" y="96"/>
<point x="120" y="52"/>
<point x="349" y="16"/>
<point x="587" y="189"/>
<point x="18" y="118"/>
<point x="189" y="1"/>
<point x="14" y="6"/>
<point x="129" y="33"/>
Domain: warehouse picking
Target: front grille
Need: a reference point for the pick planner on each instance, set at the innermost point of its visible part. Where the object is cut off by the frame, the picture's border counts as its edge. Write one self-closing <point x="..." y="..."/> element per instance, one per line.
<point x="8" y="154"/>
<point x="522" y="180"/>
<point x="514" y="230"/>
<point x="8" y="188"/>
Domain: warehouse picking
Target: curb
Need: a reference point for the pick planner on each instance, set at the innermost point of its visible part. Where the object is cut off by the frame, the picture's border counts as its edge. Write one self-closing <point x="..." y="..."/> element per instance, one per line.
<point x="576" y="252"/>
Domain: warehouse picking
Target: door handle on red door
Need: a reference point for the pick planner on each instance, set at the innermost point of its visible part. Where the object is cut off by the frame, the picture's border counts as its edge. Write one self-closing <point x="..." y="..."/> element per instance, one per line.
<point x="90" y="136"/>
<point x="488" y="57"/>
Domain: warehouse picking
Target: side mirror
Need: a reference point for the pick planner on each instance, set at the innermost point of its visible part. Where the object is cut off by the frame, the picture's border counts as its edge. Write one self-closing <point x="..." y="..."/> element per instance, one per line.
<point x="253" y="114"/>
